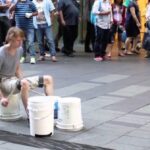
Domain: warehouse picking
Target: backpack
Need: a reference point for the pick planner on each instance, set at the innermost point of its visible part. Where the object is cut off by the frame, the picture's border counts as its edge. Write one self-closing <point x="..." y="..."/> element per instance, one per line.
<point x="93" y="17"/>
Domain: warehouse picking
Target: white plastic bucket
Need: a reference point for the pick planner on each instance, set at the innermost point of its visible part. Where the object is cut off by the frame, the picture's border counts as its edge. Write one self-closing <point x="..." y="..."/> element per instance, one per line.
<point x="12" y="111"/>
<point x="69" y="114"/>
<point x="41" y="115"/>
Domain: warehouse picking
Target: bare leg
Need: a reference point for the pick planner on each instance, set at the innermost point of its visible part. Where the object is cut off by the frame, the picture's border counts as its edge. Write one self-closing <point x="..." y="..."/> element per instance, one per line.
<point x="48" y="85"/>
<point x="25" y="93"/>
<point x="127" y="45"/>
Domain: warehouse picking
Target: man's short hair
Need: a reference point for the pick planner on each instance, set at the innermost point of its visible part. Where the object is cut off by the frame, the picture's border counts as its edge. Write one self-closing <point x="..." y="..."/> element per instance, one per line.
<point x="14" y="32"/>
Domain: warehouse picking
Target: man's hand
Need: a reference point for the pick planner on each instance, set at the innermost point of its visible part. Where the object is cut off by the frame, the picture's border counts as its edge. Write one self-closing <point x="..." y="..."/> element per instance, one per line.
<point x="4" y="102"/>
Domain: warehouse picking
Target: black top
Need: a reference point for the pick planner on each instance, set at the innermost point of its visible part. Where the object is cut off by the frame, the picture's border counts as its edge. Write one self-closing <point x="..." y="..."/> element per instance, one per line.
<point x="129" y="19"/>
<point x="70" y="10"/>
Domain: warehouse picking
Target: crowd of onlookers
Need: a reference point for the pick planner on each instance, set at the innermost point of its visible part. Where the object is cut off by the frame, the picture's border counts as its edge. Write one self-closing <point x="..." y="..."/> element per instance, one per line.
<point x="104" y="20"/>
<point x="35" y="18"/>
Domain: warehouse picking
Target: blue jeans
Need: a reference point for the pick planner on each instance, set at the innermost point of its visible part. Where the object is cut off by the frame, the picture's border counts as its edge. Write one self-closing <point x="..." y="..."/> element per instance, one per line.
<point x="28" y="44"/>
<point x="45" y="30"/>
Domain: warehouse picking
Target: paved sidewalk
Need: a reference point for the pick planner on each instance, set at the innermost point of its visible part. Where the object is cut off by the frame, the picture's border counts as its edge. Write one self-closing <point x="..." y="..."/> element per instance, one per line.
<point x="115" y="100"/>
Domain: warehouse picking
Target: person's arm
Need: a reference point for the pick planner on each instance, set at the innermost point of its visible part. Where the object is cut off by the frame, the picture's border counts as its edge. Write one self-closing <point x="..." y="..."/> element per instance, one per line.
<point x="148" y="12"/>
<point x="52" y="16"/>
<point x="19" y="73"/>
<point x="132" y="10"/>
<point x="13" y="6"/>
<point x="3" y="100"/>
<point x="62" y="18"/>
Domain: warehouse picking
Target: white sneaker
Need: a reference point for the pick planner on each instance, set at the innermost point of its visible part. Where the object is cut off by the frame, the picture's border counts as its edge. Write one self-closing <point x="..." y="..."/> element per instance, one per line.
<point x="32" y="60"/>
<point x="22" y="59"/>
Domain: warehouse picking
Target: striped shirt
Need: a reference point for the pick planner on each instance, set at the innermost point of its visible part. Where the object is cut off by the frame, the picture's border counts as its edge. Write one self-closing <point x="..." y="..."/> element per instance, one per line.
<point x="20" y="10"/>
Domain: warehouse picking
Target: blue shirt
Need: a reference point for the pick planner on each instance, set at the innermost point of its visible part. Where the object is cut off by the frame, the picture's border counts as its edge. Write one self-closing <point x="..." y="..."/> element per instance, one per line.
<point x="20" y="10"/>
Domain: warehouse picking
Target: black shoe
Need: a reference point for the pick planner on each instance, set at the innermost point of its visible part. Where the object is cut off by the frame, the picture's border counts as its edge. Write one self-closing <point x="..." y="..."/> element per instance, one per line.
<point x="57" y="49"/>
<point x="88" y="50"/>
<point x="147" y="56"/>
<point x="70" y="55"/>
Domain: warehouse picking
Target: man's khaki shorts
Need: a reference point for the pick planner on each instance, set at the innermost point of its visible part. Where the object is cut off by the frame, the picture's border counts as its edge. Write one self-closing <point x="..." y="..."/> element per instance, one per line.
<point x="10" y="85"/>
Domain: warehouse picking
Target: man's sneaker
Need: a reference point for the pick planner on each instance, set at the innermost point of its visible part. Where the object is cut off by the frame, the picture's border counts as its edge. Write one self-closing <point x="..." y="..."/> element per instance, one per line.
<point x="42" y="58"/>
<point x="22" y="60"/>
<point x="32" y="60"/>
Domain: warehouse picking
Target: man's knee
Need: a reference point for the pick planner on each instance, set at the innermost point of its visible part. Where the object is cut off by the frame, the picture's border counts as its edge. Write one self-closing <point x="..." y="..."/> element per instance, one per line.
<point x="24" y="84"/>
<point x="48" y="79"/>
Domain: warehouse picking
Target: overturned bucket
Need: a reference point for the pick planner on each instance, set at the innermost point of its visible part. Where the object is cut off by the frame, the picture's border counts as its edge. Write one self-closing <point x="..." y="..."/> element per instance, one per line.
<point x="41" y="115"/>
<point x="12" y="111"/>
<point x="69" y="114"/>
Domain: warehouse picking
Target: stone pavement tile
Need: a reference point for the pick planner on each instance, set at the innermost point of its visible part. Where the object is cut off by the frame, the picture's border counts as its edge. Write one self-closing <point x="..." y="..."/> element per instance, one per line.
<point x="139" y="142"/>
<point x="146" y="127"/>
<point x="75" y="88"/>
<point x="20" y="126"/>
<point x="125" y="124"/>
<point x="12" y="146"/>
<point x="145" y="109"/>
<point x="110" y="78"/>
<point x="129" y="104"/>
<point x="93" y="137"/>
<point x="118" y="146"/>
<point x="140" y="133"/>
<point x="131" y="91"/>
<point x="108" y="128"/>
<point x="2" y="142"/>
<point x="103" y="115"/>
<point x="135" y="119"/>
<point x="99" y="102"/>
<point x="135" y="141"/>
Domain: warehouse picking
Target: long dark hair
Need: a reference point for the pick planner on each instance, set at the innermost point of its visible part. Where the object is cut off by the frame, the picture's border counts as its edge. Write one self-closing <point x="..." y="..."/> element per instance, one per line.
<point x="121" y="2"/>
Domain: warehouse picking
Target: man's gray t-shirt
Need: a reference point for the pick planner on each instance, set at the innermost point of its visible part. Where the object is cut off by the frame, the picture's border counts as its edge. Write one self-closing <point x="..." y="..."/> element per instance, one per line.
<point x="8" y="63"/>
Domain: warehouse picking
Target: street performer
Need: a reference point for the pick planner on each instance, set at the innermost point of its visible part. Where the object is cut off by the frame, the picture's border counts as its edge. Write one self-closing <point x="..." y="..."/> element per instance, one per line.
<point x="11" y="79"/>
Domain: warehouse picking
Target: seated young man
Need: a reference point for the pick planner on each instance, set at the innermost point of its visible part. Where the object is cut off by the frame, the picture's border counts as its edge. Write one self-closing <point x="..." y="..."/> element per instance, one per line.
<point x="11" y="80"/>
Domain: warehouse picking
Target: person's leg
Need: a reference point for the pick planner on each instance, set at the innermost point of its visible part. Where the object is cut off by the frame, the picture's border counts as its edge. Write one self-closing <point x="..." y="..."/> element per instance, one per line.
<point x="30" y="83"/>
<point x="97" y="42"/>
<point x="50" y="41"/>
<point x="30" y="40"/>
<point x="87" y="38"/>
<point x="40" y="36"/>
<point x="127" y="45"/>
<point x="58" y="36"/>
<point x="92" y="36"/>
<point x="68" y="49"/>
<point x="104" y="41"/>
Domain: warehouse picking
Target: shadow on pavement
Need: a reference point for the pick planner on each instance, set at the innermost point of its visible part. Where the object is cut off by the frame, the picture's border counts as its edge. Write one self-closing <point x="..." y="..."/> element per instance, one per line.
<point x="44" y="142"/>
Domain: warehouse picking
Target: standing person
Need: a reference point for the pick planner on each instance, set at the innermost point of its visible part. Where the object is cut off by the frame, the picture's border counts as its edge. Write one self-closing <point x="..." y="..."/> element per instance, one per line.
<point x="4" y="21"/>
<point x="132" y="26"/>
<point x="24" y="12"/>
<point x="147" y="27"/>
<point x="11" y="79"/>
<point x="69" y="16"/>
<point x="104" y="19"/>
<point x="118" y="13"/>
<point x="59" y="33"/>
<point x="43" y="24"/>
<point x="90" y="32"/>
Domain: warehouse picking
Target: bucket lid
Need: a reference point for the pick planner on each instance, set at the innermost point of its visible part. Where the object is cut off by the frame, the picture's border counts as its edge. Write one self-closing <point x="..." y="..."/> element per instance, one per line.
<point x="40" y="99"/>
